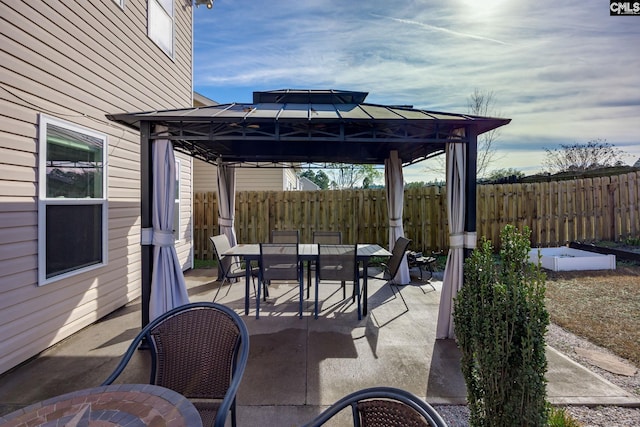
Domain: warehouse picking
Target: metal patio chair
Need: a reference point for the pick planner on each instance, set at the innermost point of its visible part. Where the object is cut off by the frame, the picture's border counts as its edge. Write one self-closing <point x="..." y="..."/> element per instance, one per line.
<point x="285" y="236"/>
<point x="279" y="261"/>
<point x="390" y="268"/>
<point x="383" y="406"/>
<point x="199" y="350"/>
<point x="230" y="267"/>
<point x="338" y="263"/>
<point x="325" y="238"/>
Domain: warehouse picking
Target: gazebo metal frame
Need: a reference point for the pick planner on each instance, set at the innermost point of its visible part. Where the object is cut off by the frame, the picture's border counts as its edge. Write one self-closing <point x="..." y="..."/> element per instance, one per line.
<point x="303" y="126"/>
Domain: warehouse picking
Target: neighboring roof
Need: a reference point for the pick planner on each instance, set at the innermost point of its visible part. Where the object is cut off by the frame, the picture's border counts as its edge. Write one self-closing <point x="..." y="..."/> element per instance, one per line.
<point x="308" y="185"/>
<point x="200" y="100"/>
<point x="309" y="126"/>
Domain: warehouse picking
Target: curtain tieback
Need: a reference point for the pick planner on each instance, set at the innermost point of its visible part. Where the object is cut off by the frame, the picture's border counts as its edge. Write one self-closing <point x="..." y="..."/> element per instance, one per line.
<point x="395" y="222"/>
<point x="456" y="241"/>
<point x="146" y="236"/>
<point x="225" y="222"/>
<point x="163" y="238"/>
<point x="470" y="239"/>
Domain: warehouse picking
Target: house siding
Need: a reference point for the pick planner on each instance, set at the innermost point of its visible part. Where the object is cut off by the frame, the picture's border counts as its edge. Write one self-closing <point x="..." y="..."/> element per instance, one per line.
<point x="77" y="61"/>
<point x="247" y="179"/>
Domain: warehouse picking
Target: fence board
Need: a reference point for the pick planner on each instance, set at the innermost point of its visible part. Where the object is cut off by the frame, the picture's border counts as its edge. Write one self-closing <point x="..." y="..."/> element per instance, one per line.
<point x="587" y="209"/>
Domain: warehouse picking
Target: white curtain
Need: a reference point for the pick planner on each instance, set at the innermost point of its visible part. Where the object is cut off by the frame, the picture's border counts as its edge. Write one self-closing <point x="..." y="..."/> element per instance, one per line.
<point x="453" y="273"/>
<point x="394" y="186"/>
<point x="227" y="201"/>
<point x="168" y="287"/>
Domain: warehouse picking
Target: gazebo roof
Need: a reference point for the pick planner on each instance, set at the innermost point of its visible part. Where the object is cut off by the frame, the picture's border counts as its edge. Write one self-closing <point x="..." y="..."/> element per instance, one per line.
<point x="309" y="126"/>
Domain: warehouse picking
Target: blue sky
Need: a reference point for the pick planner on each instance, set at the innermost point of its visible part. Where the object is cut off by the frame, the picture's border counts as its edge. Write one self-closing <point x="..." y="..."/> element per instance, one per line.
<point x="564" y="72"/>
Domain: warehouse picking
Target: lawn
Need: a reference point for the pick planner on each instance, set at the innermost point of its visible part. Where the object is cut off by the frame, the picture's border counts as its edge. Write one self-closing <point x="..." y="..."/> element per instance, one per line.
<point x="601" y="306"/>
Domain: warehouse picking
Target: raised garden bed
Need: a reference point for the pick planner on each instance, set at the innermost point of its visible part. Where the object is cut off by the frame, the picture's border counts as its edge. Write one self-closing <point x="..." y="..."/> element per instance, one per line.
<point x="622" y="252"/>
<point x="568" y="259"/>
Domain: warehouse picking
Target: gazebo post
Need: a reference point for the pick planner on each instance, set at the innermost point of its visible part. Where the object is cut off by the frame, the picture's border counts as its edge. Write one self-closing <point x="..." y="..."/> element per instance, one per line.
<point x="471" y="205"/>
<point x="146" y="201"/>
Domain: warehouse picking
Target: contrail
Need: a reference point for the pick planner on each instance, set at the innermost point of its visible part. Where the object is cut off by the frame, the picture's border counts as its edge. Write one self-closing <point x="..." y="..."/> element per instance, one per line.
<point x="443" y="30"/>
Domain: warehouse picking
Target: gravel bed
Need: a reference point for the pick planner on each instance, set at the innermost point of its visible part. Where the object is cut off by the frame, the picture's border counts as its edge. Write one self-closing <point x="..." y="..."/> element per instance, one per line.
<point x="614" y="416"/>
<point x="610" y="416"/>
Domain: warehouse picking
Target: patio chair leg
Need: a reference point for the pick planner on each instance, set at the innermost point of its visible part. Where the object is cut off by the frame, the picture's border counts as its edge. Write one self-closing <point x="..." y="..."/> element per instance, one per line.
<point x="315" y="306"/>
<point x="224" y="279"/>
<point x="258" y="296"/>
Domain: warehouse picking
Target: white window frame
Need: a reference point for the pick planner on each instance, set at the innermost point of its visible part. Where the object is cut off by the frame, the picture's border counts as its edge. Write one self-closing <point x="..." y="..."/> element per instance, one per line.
<point x="44" y="201"/>
<point x="158" y="13"/>
<point x="119" y="3"/>
<point x="177" y="203"/>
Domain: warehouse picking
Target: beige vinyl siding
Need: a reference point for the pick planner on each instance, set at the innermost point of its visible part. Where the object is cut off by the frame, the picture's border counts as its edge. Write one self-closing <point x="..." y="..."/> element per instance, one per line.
<point x="77" y="61"/>
<point x="184" y="248"/>
<point x="247" y="179"/>
<point x="260" y="179"/>
<point x="291" y="180"/>
<point x="204" y="177"/>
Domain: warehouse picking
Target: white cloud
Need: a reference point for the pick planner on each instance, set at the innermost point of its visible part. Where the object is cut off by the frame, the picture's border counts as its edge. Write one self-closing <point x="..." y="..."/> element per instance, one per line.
<point x="563" y="72"/>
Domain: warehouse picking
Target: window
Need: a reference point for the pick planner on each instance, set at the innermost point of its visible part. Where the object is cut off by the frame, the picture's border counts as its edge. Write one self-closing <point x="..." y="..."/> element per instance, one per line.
<point x="72" y="200"/>
<point x="119" y="3"/>
<point x="176" y="207"/>
<point x="160" y="24"/>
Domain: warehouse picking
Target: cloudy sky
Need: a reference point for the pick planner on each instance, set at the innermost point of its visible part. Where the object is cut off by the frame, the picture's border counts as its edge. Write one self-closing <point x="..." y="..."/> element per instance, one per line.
<point x="564" y="72"/>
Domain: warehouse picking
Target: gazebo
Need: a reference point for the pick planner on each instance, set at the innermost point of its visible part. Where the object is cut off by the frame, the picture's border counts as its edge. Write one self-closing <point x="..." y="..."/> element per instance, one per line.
<point x="302" y="126"/>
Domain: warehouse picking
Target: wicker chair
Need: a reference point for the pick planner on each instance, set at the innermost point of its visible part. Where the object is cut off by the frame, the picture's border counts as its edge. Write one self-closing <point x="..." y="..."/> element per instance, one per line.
<point x="199" y="350"/>
<point x="230" y="267"/>
<point x="338" y="263"/>
<point x="383" y="406"/>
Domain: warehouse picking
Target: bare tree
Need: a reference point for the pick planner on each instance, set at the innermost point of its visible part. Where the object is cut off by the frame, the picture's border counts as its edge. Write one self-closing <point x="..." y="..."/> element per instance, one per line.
<point x="595" y="154"/>
<point x="482" y="103"/>
<point x="352" y="176"/>
<point x="479" y="103"/>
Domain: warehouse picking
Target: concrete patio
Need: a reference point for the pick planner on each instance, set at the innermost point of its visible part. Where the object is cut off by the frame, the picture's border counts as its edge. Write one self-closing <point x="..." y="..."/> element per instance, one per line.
<point x="296" y="366"/>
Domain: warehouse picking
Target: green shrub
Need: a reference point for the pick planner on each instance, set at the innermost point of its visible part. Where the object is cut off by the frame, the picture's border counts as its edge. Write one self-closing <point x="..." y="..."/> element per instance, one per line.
<point x="632" y="241"/>
<point x="558" y="417"/>
<point x="500" y="322"/>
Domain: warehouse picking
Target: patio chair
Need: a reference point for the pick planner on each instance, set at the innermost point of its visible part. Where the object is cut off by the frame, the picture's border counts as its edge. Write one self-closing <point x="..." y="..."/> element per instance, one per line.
<point x="325" y="238"/>
<point x="229" y="267"/>
<point x="382" y="406"/>
<point x="279" y="261"/>
<point x="390" y="268"/>
<point x="338" y="263"/>
<point x="285" y="236"/>
<point x="199" y="350"/>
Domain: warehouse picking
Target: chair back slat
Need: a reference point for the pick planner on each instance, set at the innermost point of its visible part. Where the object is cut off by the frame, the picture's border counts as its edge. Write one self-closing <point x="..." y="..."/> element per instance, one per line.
<point x="221" y="245"/>
<point x="279" y="261"/>
<point x="285" y="236"/>
<point x="397" y="254"/>
<point x="327" y="237"/>
<point x="337" y="262"/>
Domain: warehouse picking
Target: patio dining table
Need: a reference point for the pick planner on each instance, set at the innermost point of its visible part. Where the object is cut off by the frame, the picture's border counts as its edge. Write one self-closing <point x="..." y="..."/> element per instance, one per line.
<point x="113" y="405"/>
<point x="307" y="252"/>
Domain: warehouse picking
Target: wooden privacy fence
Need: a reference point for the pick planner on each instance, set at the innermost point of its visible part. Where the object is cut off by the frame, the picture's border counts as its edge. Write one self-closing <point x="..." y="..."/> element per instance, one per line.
<point x="557" y="212"/>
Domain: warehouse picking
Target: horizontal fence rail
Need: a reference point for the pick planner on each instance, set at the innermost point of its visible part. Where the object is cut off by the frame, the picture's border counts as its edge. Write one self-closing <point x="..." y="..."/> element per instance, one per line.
<point x="557" y="212"/>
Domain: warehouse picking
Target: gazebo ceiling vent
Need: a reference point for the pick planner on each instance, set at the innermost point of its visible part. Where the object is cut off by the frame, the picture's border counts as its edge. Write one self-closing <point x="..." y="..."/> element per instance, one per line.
<point x="309" y="96"/>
